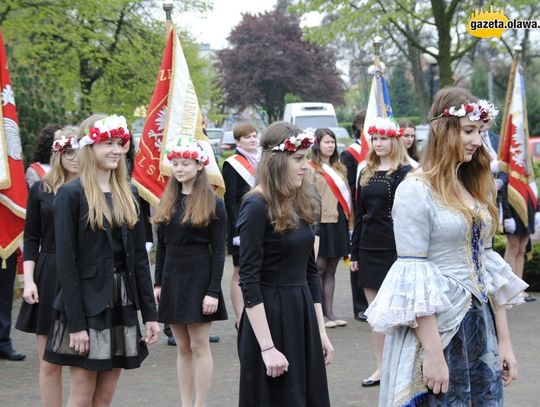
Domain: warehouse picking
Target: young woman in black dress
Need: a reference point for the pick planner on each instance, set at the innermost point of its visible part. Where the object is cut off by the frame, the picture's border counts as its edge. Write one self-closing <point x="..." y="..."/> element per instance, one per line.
<point x="40" y="284"/>
<point x="373" y="249"/>
<point x="189" y="265"/>
<point x="282" y="341"/>
<point x="102" y="268"/>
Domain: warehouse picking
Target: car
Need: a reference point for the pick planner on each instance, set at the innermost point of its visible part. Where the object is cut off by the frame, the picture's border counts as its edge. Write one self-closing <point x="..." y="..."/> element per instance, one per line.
<point x="227" y="141"/>
<point x="214" y="137"/>
<point x="421" y="136"/>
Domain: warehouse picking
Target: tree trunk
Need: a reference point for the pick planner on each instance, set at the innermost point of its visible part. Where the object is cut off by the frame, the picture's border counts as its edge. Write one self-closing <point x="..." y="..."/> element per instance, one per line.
<point x="422" y="96"/>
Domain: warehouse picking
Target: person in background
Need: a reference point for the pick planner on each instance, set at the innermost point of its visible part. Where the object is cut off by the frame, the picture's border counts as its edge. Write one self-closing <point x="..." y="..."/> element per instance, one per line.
<point x="330" y="180"/>
<point x="282" y="340"/>
<point x="443" y="302"/>
<point x="373" y="248"/>
<point x="42" y="154"/>
<point x="40" y="283"/>
<point x="409" y="142"/>
<point x="239" y="175"/>
<point x="102" y="268"/>
<point x="350" y="157"/>
<point x="190" y="258"/>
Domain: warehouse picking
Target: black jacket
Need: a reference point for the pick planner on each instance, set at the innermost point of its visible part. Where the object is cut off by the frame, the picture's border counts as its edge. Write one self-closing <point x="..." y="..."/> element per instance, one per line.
<point x="85" y="261"/>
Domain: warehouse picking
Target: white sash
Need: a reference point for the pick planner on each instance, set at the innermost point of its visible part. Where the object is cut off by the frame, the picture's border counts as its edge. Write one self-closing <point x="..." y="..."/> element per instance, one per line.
<point x="342" y="188"/>
<point x="243" y="168"/>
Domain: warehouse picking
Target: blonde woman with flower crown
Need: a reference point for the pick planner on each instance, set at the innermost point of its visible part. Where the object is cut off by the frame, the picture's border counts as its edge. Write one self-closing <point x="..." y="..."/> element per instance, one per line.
<point x="102" y="268"/>
<point x="282" y="341"/>
<point x="443" y="303"/>
<point x="40" y="282"/>
<point x="190" y="257"/>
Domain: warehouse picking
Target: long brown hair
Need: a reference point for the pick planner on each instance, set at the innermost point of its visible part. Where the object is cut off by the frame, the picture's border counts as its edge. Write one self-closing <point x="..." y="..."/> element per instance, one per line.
<point x="334" y="158"/>
<point x="57" y="175"/>
<point x="398" y="157"/>
<point x="199" y="206"/>
<point x="125" y="208"/>
<point x="287" y="204"/>
<point x="442" y="162"/>
<point x="412" y="151"/>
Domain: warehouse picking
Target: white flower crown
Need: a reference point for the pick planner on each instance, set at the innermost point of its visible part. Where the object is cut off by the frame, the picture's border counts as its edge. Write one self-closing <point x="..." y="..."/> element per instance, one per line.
<point x="293" y="143"/>
<point x="188" y="148"/>
<point x="481" y="110"/>
<point x="63" y="143"/>
<point x="110" y="127"/>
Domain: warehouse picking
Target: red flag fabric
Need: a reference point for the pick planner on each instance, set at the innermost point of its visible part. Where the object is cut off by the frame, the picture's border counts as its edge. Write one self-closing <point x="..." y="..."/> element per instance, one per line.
<point x="514" y="152"/>
<point x="13" y="189"/>
<point x="173" y="113"/>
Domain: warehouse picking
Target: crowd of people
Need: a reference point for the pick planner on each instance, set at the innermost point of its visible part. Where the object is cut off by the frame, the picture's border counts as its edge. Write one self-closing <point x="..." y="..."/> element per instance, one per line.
<point x="418" y="231"/>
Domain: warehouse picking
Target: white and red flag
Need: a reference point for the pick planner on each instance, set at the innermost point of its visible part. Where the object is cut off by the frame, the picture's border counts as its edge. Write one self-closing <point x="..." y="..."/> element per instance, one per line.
<point x="173" y="113"/>
<point x="13" y="189"/>
<point x="514" y="157"/>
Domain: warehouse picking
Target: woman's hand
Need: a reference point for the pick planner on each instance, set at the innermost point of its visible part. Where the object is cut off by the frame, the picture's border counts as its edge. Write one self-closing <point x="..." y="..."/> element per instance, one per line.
<point x="79" y="342"/>
<point x="157" y="294"/>
<point x="508" y="363"/>
<point x="209" y="305"/>
<point x="354" y="265"/>
<point x="328" y="349"/>
<point x="30" y="293"/>
<point x="435" y="372"/>
<point x="151" y="331"/>
<point x="276" y="363"/>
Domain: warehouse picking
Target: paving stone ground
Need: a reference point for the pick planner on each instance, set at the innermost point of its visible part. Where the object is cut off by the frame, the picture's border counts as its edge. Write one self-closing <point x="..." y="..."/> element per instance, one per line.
<point x="154" y="384"/>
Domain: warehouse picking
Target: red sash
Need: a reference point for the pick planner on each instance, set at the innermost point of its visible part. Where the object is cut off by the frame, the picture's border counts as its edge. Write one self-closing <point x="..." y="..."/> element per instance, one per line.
<point x="38" y="169"/>
<point x="338" y="186"/>
<point x="354" y="149"/>
<point x="243" y="167"/>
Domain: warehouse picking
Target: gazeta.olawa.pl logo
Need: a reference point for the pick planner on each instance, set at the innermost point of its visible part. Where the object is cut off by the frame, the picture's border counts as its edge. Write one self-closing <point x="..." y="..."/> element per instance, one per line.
<point x="493" y="23"/>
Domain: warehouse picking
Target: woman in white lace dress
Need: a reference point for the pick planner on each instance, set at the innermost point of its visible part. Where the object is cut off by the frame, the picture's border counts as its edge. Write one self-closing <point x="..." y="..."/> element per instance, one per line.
<point x="442" y="304"/>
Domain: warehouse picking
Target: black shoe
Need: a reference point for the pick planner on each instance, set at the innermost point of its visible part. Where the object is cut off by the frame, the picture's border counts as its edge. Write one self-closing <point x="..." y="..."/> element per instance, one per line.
<point x="370" y="382"/>
<point x="213" y="338"/>
<point x="171" y="341"/>
<point x="11" y="354"/>
<point x="529" y="298"/>
<point x="360" y="317"/>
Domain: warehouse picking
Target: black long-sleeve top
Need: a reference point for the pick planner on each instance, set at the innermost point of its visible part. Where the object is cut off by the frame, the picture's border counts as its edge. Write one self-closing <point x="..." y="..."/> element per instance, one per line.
<point x="267" y="257"/>
<point x="176" y="234"/>
<point x="348" y="160"/>
<point x="39" y="224"/>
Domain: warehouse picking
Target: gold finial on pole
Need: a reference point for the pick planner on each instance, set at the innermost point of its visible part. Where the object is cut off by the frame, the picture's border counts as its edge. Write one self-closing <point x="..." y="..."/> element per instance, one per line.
<point x="167" y="7"/>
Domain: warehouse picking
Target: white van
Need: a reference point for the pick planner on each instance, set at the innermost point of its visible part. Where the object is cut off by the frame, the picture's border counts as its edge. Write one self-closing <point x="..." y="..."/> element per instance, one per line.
<point x="310" y="115"/>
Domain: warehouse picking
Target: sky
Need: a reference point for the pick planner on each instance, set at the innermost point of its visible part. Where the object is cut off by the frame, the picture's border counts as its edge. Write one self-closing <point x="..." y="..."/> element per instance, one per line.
<point x="214" y="27"/>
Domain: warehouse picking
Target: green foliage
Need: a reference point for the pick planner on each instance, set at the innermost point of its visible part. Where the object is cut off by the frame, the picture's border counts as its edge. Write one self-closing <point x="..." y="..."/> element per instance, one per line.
<point x="292" y="98"/>
<point x="401" y="91"/>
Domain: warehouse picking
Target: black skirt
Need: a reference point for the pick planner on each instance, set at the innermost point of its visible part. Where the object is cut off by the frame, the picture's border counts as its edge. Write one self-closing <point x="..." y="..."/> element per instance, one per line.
<point x="334" y="237"/>
<point x="185" y="281"/>
<point x="373" y="266"/>
<point x="37" y="318"/>
<point x="115" y="336"/>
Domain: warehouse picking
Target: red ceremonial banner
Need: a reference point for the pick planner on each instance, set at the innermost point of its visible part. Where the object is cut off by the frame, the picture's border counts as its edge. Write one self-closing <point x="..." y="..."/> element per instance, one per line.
<point x="13" y="189"/>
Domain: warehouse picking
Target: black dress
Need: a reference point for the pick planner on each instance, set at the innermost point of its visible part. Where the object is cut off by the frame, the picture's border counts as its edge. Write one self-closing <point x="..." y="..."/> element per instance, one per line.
<point x="279" y="271"/>
<point x="39" y="246"/>
<point x="235" y="189"/>
<point x="189" y="266"/>
<point x="373" y="244"/>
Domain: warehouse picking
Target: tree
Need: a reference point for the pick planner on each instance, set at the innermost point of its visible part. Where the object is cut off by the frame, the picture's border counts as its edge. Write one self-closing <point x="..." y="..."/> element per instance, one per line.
<point x="268" y="59"/>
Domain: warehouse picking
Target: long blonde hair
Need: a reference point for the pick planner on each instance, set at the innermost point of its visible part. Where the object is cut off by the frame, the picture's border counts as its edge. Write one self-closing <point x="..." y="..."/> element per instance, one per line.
<point x="398" y="157"/>
<point x="442" y="162"/>
<point x="287" y="204"/>
<point x="57" y="175"/>
<point x="125" y="208"/>
<point x="199" y="206"/>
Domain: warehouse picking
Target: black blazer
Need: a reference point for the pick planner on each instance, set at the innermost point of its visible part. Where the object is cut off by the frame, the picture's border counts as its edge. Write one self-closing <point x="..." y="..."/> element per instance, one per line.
<point x="85" y="261"/>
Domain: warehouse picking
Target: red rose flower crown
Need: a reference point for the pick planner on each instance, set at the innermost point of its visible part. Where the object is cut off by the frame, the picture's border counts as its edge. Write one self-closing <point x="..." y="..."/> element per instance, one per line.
<point x="294" y="143"/>
<point x="110" y="127"/>
<point x="62" y="144"/>
<point x="481" y="110"/>
<point x="188" y="148"/>
<point x="384" y="126"/>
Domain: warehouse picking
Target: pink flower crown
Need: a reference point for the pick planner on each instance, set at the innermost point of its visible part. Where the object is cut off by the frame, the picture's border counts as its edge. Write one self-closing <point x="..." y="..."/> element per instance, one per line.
<point x="385" y="127"/>
<point x="188" y="149"/>
<point x="481" y="110"/>
<point x="63" y="143"/>
<point x="294" y="143"/>
<point x="110" y="127"/>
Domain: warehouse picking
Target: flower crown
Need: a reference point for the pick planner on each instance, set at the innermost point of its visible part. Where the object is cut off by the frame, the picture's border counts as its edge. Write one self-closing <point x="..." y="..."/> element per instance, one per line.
<point x="110" y="127"/>
<point x="188" y="148"/>
<point x="385" y="127"/>
<point x="294" y="143"/>
<point x="481" y="110"/>
<point x="63" y="143"/>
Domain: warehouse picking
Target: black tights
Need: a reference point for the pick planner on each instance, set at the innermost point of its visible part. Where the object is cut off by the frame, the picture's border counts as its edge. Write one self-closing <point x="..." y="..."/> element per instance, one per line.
<point x="327" y="273"/>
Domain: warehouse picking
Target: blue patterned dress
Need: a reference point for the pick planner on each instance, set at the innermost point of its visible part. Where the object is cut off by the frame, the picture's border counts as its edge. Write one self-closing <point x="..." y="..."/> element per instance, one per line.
<point x="446" y="268"/>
